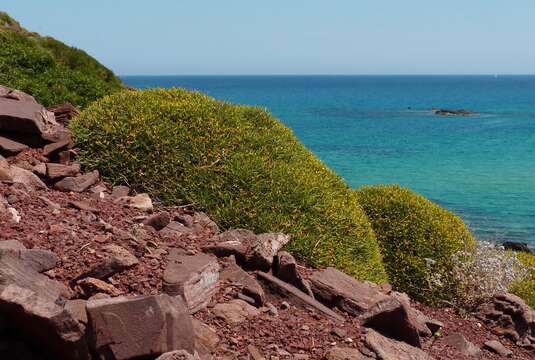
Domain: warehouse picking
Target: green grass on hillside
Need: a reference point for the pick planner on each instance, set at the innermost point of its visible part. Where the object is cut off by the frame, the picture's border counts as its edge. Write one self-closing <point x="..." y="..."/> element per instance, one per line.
<point x="238" y="163"/>
<point x="526" y="287"/>
<point x="48" y="69"/>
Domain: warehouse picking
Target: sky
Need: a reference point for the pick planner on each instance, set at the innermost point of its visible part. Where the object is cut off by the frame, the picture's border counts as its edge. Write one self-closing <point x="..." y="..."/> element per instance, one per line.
<point x="224" y="37"/>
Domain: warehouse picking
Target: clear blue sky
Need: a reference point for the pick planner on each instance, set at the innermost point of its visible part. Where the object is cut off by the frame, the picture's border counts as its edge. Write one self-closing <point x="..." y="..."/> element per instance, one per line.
<point x="292" y="36"/>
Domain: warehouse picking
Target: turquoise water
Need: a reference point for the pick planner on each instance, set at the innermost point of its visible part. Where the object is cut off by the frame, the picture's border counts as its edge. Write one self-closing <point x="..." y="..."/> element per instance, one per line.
<point x="378" y="129"/>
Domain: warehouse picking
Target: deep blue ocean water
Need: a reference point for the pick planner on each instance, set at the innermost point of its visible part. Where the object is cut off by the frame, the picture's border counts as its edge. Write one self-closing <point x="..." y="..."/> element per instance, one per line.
<point x="379" y="129"/>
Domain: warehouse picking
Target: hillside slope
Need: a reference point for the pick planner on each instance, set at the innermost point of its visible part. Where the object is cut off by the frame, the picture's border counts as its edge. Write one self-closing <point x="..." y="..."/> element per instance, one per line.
<point x="50" y="70"/>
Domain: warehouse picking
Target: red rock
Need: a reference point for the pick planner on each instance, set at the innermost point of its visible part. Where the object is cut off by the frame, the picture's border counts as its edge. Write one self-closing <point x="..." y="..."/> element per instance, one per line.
<point x="206" y="338"/>
<point x="285" y="268"/>
<point x="91" y="286"/>
<point x="158" y="221"/>
<point x="235" y="312"/>
<point x="54" y="171"/>
<point x="195" y="278"/>
<point x="10" y="146"/>
<point x="24" y="117"/>
<point x="459" y="342"/>
<point x="64" y="113"/>
<point x="118" y="259"/>
<point x="345" y="353"/>
<point x="119" y="191"/>
<point x="237" y="276"/>
<point x="125" y="328"/>
<point x="345" y="292"/>
<point x="286" y="289"/>
<point x="388" y="349"/>
<point x="78" y="184"/>
<point x="50" y="150"/>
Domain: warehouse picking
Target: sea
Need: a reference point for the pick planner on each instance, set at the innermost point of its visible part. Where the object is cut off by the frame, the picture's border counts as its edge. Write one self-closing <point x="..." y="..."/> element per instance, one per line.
<point x="381" y="130"/>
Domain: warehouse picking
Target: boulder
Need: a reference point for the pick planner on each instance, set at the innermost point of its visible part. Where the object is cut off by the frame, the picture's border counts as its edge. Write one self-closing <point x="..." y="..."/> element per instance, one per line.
<point x="79" y="183"/>
<point x="118" y="259"/>
<point x="52" y="149"/>
<point x="158" y="221"/>
<point x="34" y="307"/>
<point x="516" y="246"/>
<point x="22" y="116"/>
<point x="459" y="342"/>
<point x="126" y="328"/>
<point x="175" y="228"/>
<point x="140" y="201"/>
<point x="394" y="319"/>
<point x="388" y="349"/>
<point x="235" y="311"/>
<point x="237" y="276"/>
<point x="285" y="268"/>
<point x="337" y="289"/>
<point x="508" y="315"/>
<point x="199" y="222"/>
<point x="91" y="286"/>
<point x="13" y="94"/>
<point x="194" y="278"/>
<point x="36" y="259"/>
<point x="55" y="171"/>
<point x="498" y="348"/>
<point x="206" y="338"/>
<point x="22" y="176"/>
<point x="254" y="251"/>
<point x="297" y="295"/>
<point x="11" y="147"/>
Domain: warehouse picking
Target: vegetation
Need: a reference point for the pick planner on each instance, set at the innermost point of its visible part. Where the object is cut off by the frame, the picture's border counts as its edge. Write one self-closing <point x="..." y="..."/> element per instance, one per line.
<point x="238" y="163"/>
<point x="418" y="240"/>
<point x="48" y="69"/>
<point x="525" y="288"/>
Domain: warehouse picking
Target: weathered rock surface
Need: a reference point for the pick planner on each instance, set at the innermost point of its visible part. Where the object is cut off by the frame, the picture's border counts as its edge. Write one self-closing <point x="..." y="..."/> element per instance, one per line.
<point x="10" y="146"/>
<point x="459" y="342"/>
<point x="249" y="286"/>
<point x="297" y="295"/>
<point x="79" y="183"/>
<point x="394" y="319"/>
<point x="52" y="149"/>
<point x="36" y="259"/>
<point x="508" y="315"/>
<point x="345" y="353"/>
<point x="33" y="304"/>
<point x="177" y="355"/>
<point x="140" y="201"/>
<point x="285" y="268"/>
<point x="126" y="328"/>
<point x="339" y="290"/>
<point x="24" y="116"/>
<point x="118" y="259"/>
<point x="91" y="286"/>
<point x="194" y="278"/>
<point x="25" y="177"/>
<point x="235" y="311"/>
<point x="158" y="221"/>
<point x="388" y="349"/>
<point x="206" y="338"/>
<point x="497" y="348"/>
<point x="55" y="171"/>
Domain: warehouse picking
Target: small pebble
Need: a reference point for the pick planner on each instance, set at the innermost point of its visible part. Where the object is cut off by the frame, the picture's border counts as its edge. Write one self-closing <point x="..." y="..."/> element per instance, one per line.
<point x="285" y="305"/>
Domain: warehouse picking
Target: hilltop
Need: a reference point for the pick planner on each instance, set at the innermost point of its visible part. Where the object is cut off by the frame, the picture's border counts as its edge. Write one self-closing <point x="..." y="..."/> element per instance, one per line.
<point x="50" y="70"/>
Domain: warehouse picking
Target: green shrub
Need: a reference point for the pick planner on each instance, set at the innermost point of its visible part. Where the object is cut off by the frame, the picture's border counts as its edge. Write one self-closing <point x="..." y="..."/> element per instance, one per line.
<point x="418" y="239"/>
<point x="236" y="162"/>
<point x="526" y="287"/>
<point x="49" y="70"/>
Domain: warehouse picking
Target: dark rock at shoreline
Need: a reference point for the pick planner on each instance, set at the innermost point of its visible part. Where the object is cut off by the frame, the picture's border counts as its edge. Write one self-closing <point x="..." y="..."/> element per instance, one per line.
<point x="452" y="112"/>
<point x="511" y="245"/>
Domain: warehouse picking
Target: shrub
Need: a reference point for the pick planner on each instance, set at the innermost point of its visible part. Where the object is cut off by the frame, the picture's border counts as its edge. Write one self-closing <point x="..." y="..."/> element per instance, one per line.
<point x="238" y="163"/>
<point x="481" y="274"/>
<point x="525" y="288"/>
<point x="414" y="233"/>
<point x="48" y="69"/>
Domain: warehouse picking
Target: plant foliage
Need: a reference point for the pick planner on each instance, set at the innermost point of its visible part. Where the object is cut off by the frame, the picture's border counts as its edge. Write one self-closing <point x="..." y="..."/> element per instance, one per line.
<point x="238" y="163"/>
<point x="418" y="239"/>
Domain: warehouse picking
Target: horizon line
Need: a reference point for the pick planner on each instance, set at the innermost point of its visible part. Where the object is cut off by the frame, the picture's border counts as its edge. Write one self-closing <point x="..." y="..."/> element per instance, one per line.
<point x="222" y="75"/>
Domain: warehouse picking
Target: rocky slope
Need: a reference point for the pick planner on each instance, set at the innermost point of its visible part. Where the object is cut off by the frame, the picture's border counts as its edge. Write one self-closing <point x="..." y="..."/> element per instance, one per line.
<point x="89" y="270"/>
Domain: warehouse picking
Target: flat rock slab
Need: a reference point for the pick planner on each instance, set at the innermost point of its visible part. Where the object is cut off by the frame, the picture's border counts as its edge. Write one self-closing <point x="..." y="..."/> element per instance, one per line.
<point x="194" y="278"/>
<point x="395" y="320"/>
<point x="285" y="268"/>
<point x="118" y="259"/>
<point x="235" y="311"/>
<point x="339" y="290"/>
<point x="36" y="259"/>
<point x="55" y="171"/>
<point x="10" y="146"/>
<point x="124" y="328"/>
<point x="33" y="305"/>
<point x="79" y="183"/>
<point x="24" y="117"/>
<point x="249" y="285"/>
<point x="388" y="349"/>
<point x="459" y="342"/>
<point x="296" y="294"/>
<point x="206" y="338"/>
<point x="498" y="348"/>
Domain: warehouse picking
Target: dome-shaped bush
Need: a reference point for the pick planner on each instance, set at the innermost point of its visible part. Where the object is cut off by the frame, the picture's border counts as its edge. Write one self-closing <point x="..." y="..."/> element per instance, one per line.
<point x="525" y="288"/>
<point x="417" y="238"/>
<point x="238" y="163"/>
